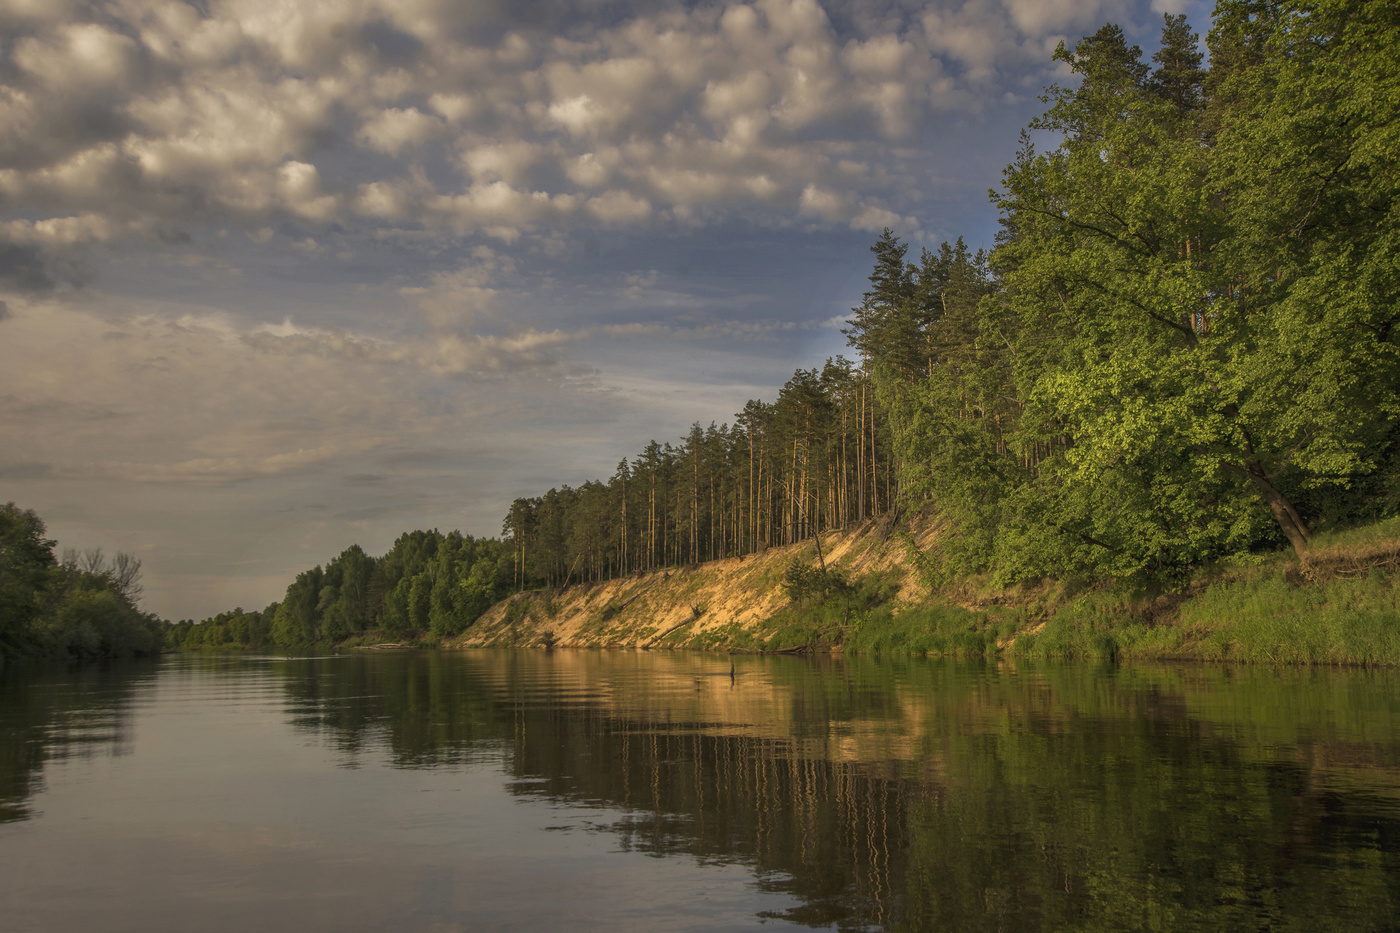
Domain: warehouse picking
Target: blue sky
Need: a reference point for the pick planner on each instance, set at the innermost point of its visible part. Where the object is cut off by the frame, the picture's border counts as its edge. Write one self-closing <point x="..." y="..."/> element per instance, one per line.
<point x="279" y="277"/>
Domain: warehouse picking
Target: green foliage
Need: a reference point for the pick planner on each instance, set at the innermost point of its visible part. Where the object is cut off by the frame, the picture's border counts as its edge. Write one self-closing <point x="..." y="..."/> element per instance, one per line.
<point x="1183" y="346"/>
<point x="228" y="631"/>
<point x="62" y="610"/>
<point x="96" y="622"/>
<point x="1346" y="621"/>
<point x="1360" y="536"/>
<point x="817" y="458"/>
<point x="517" y="611"/>
<point x="934" y="630"/>
<point x="27" y="569"/>
<point x="428" y="583"/>
<point x="826" y="607"/>
<point x="298" y="619"/>
<point x="1264" y="616"/>
<point x="804" y="583"/>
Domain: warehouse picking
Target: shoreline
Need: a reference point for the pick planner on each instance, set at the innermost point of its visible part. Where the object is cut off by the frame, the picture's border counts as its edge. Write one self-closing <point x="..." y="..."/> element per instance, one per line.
<point x="1340" y="606"/>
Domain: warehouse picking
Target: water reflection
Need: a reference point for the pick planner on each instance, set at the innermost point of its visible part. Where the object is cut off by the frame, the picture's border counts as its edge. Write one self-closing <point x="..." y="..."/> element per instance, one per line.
<point x="859" y="793"/>
<point x="52" y="714"/>
<point x="930" y="795"/>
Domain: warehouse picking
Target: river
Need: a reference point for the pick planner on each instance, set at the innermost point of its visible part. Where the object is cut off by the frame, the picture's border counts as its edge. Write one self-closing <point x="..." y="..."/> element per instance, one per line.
<point x="637" y="790"/>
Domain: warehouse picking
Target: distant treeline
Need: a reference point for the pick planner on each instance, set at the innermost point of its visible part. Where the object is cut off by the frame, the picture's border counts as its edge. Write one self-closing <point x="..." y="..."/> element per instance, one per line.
<point x="1182" y="348"/>
<point x="74" y="606"/>
<point x="427" y="582"/>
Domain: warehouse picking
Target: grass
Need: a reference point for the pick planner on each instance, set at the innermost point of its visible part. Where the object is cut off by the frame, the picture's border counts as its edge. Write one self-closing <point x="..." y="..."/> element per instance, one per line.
<point x="1349" y="614"/>
<point x="381" y="637"/>
<point x="1385" y="532"/>
<point x="937" y="630"/>
<point x="1347" y="620"/>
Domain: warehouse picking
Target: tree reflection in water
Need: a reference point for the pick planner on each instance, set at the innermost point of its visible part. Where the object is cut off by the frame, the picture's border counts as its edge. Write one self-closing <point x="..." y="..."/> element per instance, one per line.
<point x="927" y="794"/>
<point x="912" y="794"/>
<point x="52" y="713"/>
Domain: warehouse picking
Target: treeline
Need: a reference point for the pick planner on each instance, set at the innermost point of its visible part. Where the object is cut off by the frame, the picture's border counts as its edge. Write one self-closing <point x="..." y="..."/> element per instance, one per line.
<point x="1182" y="347"/>
<point x="822" y="456"/>
<point x="818" y="457"/>
<point x="428" y="582"/>
<point x="73" y="606"/>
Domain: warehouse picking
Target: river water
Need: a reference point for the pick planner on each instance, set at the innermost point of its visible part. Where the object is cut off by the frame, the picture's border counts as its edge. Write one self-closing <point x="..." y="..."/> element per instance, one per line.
<point x="582" y="790"/>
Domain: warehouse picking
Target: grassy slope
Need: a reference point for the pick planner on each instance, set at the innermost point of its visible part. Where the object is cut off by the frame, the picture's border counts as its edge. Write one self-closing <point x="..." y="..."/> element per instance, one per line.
<point x="1341" y="606"/>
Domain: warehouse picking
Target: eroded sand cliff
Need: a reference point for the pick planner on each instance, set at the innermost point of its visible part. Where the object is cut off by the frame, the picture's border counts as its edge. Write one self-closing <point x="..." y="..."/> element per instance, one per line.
<point x="695" y="605"/>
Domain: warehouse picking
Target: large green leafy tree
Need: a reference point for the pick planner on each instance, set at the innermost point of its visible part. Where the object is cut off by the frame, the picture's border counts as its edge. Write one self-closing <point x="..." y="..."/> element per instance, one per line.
<point x="344" y="600"/>
<point x="1109" y="282"/>
<point x="1307" y="165"/>
<point x="1207" y="368"/>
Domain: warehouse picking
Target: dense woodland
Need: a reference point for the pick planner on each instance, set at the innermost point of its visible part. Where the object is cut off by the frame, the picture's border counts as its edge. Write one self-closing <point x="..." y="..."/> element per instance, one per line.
<point x="1181" y="348"/>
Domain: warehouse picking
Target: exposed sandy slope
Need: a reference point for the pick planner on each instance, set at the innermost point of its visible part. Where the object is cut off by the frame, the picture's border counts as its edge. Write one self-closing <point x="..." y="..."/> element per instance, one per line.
<point x="679" y="606"/>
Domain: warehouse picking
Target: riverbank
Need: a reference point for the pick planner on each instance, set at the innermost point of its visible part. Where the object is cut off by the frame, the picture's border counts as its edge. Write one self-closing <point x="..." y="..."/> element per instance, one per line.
<point x="1339" y="606"/>
<point x="717" y="604"/>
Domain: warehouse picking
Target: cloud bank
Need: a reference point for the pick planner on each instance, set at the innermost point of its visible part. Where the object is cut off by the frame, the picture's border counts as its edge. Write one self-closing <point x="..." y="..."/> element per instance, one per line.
<point x="140" y="117"/>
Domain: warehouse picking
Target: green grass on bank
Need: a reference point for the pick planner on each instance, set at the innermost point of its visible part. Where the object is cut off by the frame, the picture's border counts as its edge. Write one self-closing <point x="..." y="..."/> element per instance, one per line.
<point x="1274" y="619"/>
<point x="935" y="629"/>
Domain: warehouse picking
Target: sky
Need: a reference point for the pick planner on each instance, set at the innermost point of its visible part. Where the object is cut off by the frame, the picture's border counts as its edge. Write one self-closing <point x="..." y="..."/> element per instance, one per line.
<point x="280" y="276"/>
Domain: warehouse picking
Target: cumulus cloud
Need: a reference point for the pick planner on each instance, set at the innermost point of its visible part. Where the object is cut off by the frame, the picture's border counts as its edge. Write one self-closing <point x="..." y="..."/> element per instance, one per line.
<point x="391" y="130"/>
<point x="128" y="119"/>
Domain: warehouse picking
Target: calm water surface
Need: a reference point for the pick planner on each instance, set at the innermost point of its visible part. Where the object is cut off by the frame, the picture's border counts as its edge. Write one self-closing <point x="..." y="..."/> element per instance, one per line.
<point x="649" y="791"/>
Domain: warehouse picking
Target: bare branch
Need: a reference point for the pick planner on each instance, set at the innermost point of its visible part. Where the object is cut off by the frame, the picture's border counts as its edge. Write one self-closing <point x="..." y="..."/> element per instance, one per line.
<point x="126" y="576"/>
<point x="94" y="562"/>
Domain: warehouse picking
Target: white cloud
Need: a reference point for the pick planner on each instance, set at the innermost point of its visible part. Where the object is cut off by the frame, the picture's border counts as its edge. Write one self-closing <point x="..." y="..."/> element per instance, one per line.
<point x="309" y="248"/>
<point x="463" y="297"/>
<point x="167" y="114"/>
<point x="577" y="114"/>
<point x="77" y="56"/>
<point x="299" y="184"/>
<point x="619" y="207"/>
<point x="592" y="168"/>
<point x="62" y="231"/>
<point x="453" y="107"/>
<point x="391" y="130"/>
<point x="824" y="204"/>
<point x="507" y="162"/>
